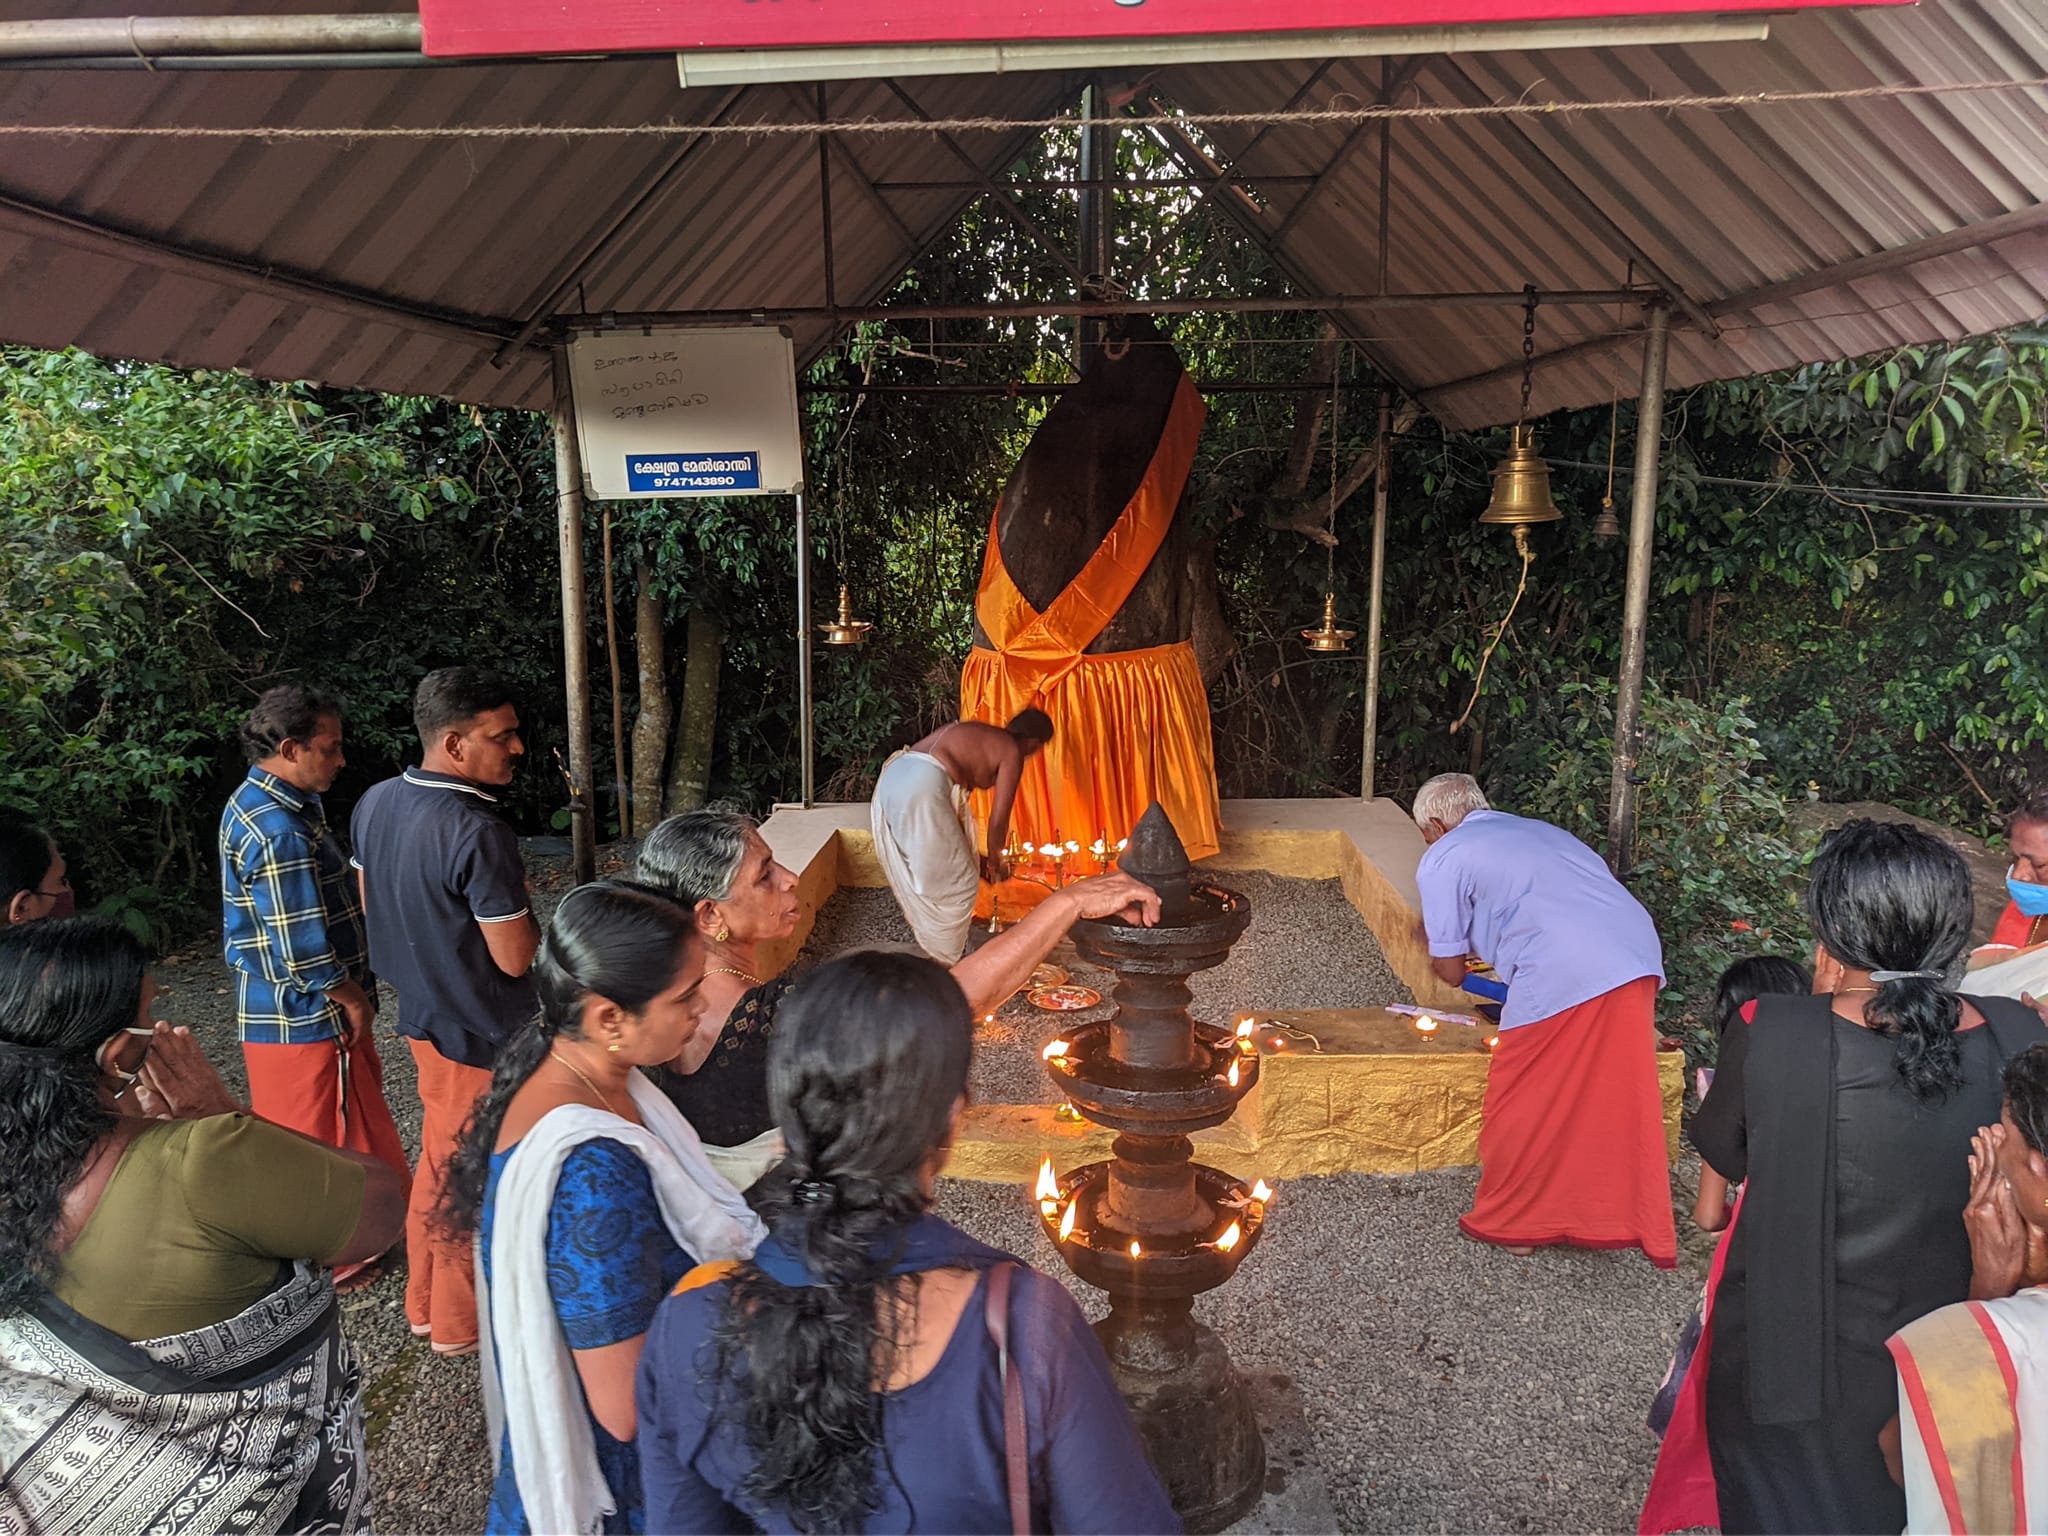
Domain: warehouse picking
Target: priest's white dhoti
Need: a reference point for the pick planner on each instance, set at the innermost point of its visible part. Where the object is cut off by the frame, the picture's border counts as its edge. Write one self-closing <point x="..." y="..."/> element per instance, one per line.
<point x="924" y="837"/>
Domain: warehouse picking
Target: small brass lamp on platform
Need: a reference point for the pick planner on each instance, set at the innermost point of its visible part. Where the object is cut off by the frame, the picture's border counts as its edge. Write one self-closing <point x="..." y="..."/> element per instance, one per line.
<point x="846" y="629"/>
<point x="1326" y="636"/>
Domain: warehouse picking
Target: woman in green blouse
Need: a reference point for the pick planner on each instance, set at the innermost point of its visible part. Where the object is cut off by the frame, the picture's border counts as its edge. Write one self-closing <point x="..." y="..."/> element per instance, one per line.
<point x="153" y="1233"/>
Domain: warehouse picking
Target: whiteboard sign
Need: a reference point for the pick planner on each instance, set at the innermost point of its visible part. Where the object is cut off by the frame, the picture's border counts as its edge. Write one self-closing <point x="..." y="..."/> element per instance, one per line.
<point x="687" y="412"/>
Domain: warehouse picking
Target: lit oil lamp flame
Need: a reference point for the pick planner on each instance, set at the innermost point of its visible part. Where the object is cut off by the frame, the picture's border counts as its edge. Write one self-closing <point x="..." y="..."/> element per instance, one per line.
<point x="1231" y="1075"/>
<point x="1245" y="1026"/>
<point x="1232" y="1236"/>
<point x="1055" y="1048"/>
<point x="1067" y="1221"/>
<point x="1072" y="846"/>
<point x="1492" y="1041"/>
<point x="1029" y="849"/>
<point x="1262" y="1191"/>
<point x="1424" y="1024"/>
<point x="1122" y="843"/>
<point x="1135" y="1249"/>
<point x="1048" y="1183"/>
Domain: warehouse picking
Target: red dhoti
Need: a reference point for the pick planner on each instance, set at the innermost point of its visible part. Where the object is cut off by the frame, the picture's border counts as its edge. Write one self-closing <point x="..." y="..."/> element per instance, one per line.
<point x="1571" y="1141"/>
<point x="440" y="1285"/>
<point x="332" y="1093"/>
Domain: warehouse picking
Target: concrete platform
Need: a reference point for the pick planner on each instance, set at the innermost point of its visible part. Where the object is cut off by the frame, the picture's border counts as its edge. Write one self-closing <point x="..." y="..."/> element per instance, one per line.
<point x="1342" y="1090"/>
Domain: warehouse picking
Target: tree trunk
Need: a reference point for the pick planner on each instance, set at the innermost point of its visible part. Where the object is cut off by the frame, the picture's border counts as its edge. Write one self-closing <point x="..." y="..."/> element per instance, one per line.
<point x="650" y="726"/>
<point x="689" y="781"/>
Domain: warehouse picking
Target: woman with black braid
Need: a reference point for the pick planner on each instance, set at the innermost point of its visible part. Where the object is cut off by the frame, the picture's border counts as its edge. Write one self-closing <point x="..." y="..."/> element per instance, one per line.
<point x="1850" y="1115"/>
<point x="846" y="1377"/>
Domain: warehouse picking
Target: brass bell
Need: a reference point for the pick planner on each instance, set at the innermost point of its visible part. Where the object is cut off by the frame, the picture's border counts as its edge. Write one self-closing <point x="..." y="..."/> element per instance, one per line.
<point x="846" y="629"/>
<point x="1521" y="486"/>
<point x="1607" y="527"/>
<point x="1326" y="636"/>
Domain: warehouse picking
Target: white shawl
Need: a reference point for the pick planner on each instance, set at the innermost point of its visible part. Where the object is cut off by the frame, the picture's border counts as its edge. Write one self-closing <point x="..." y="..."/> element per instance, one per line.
<point x="529" y="1375"/>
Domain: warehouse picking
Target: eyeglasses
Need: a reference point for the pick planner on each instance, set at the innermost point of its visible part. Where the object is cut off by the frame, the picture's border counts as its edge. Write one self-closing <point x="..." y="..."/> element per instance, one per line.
<point x="126" y="1078"/>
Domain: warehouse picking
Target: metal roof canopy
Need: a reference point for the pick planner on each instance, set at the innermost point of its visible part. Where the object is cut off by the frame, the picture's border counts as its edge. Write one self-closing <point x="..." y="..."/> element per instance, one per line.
<point x="1781" y="233"/>
<point x="1768" y="233"/>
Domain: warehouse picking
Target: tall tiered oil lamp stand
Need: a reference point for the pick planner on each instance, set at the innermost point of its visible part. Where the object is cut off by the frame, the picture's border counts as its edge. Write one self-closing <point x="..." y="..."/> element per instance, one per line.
<point x="1152" y="1227"/>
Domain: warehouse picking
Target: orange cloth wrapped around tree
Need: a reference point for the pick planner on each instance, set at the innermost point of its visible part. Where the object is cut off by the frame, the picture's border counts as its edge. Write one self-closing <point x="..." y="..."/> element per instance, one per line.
<point x="1130" y="727"/>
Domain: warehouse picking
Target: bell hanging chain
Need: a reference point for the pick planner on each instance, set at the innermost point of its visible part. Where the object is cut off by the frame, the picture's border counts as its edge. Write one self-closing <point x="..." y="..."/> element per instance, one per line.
<point x="1528" y="345"/>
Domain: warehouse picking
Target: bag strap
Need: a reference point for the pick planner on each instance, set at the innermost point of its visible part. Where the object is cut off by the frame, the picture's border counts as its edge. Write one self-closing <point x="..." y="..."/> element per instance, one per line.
<point x="1016" y="1447"/>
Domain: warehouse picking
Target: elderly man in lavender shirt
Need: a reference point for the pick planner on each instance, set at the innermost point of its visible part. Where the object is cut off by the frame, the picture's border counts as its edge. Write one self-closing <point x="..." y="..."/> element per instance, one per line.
<point x="1571" y="1143"/>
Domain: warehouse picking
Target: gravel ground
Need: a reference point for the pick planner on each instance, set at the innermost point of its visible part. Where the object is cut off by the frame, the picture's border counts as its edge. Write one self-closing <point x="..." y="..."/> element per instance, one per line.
<point x="1448" y="1386"/>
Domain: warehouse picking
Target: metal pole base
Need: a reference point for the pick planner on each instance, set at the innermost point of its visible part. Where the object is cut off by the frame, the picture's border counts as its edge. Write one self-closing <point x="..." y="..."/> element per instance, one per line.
<point x="1193" y="1413"/>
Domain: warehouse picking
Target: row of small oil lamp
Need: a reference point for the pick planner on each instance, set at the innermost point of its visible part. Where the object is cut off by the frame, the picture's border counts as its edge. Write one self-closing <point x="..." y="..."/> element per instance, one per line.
<point x="1427" y="1027"/>
<point x="1047" y="1193"/>
<point x="1056" y="854"/>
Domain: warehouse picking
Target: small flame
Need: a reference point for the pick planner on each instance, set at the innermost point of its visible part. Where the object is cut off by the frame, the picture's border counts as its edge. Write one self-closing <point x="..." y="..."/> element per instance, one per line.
<point x="988" y="1018"/>
<point x="1029" y="849"/>
<point x="1055" y="1048"/>
<point x="1232" y="1235"/>
<point x="1067" y="1221"/>
<point x="1492" y="1041"/>
<point x="1122" y="843"/>
<point x="1135" y="1249"/>
<point x="1245" y="1026"/>
<point x="1424" y="1024"/>
<point x="1262" y="1191"/>
<point x="1048" y="1182"/>
<point x="1231" y="1076"/>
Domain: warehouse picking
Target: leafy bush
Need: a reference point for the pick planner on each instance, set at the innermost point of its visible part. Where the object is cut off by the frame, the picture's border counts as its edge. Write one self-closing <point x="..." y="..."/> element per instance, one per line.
<point x="1720" y="865"/>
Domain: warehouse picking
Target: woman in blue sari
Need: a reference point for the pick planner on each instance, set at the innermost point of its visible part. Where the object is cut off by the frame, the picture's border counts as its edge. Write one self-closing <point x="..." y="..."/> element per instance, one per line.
<point x="847" y="1378"/>
<point x="589" y="1195"/>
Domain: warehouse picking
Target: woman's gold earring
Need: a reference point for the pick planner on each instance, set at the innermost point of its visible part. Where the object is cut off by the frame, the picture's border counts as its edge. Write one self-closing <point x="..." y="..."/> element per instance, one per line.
<point x="613" y="1047"/>
<point x="722" y="935"/>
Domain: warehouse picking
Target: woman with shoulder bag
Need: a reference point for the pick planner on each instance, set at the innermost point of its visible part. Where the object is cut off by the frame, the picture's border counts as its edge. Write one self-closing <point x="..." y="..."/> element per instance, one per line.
<point x="865" y="1370"/>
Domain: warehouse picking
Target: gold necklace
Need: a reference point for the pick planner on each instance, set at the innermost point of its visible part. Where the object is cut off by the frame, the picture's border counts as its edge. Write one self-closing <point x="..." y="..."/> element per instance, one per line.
<point x="601" y="1096"/>
<point x="728" y="970"/>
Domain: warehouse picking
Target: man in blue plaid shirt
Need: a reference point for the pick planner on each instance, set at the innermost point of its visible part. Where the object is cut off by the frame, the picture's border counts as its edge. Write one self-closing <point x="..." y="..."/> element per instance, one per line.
<point x="292" y="927"/>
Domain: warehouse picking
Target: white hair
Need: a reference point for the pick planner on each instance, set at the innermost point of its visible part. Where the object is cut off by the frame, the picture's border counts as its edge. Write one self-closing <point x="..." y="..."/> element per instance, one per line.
<point x="1448" y="798"/>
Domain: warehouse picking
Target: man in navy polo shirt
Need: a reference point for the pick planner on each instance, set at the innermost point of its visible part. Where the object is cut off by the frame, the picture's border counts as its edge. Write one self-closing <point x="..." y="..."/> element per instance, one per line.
<point x="451" y="928"/>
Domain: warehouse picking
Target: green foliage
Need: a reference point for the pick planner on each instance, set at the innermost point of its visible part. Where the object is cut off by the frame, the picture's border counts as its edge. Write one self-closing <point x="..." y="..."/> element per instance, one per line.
<point x="1719" y="861"/>
<point x="171" y="544"/>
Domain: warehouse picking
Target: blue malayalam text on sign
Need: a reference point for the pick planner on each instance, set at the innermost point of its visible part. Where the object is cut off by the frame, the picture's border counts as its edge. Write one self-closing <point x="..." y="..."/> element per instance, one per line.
<point x="676" y="473"/>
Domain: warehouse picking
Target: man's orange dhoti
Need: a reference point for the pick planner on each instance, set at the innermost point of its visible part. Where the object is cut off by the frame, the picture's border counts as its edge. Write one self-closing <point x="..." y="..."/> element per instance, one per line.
<point x="1571" y="1143"/>
<point x="440" y="1286"/>
<point x="1130" y="727"/>
<point x="330" y="1092"/>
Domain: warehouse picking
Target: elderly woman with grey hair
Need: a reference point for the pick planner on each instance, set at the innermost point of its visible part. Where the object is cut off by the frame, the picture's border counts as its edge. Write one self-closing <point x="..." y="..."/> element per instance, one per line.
<point x="716" y="862"/>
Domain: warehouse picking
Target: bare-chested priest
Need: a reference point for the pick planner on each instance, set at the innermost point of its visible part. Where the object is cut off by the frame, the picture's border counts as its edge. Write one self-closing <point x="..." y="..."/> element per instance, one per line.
<point x="924" y="831"/>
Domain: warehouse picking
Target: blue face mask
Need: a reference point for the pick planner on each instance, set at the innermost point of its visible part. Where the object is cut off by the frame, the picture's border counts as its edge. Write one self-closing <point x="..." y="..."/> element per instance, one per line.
<point x="2030" y="899"/>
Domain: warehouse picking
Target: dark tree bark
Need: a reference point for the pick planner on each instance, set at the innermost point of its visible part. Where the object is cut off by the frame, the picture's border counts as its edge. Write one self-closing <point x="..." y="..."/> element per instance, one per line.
<point x="657" y="709"/>
<point x="689" y="781"/>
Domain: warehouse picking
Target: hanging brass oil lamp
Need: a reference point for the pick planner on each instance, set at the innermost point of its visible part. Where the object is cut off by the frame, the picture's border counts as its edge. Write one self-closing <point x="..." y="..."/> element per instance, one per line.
<point x="1521" y="481"/>
<point x="1326" y="636"/>
<point x="846" y="629"/>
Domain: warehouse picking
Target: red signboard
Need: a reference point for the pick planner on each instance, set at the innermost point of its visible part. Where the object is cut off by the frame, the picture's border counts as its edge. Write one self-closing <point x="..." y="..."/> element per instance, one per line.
<point x="470" y="27"/>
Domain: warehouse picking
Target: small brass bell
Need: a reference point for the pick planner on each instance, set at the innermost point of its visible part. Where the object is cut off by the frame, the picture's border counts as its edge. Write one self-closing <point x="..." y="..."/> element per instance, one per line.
<point x="846" y="629"/>
<point x="1521" y="486"/>
<point x="1607" y="527"/>
<point x="1326" y="636"/>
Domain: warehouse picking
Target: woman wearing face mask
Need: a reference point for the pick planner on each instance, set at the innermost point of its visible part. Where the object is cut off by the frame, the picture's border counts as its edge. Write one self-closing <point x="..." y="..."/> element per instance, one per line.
<point x="589" y="1195"/>
<point x="33" y="880"/>
<point x="2025" y="919"/>
<point x="152" y="1234"/>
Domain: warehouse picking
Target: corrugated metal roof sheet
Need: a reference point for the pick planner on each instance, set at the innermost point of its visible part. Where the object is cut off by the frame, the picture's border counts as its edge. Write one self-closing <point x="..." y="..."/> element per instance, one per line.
<point x="450" y="245"/>
<point x="1724" y="202"/>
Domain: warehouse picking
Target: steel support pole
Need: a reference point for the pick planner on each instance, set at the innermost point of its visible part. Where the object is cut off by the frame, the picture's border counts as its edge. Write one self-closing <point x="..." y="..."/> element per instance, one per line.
<point x="1635" y="622"/>
<point x="803" y="648"/>
<point x="575" y="621"/>
<point x="1375" y="611"/>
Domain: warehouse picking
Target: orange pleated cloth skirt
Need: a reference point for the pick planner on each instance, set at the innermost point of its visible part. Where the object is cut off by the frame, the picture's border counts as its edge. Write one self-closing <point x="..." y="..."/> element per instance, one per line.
<point x="1571" y="1143"/>
<point x="1131" y="727"/>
